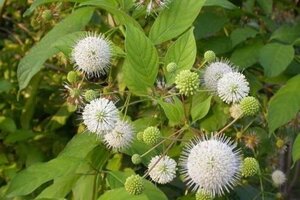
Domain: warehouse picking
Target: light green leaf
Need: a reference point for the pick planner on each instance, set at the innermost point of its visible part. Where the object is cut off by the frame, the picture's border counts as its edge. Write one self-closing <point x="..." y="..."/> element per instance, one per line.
<point x="246" y="56"/>
<point x="222" y="3"/>
<point x="141" y="66"/>
<point x="241" y="34"/>
<point x="284" y="105"/>
<point x="176" y="19"/>
<point x="33" y="61"/>
<point x="200" y="107"/>
<point x="287" y="34"/>
<point x="296" y="149"/>
<point x="174" y="110"/>
<point x="65" y="44"/>
<point x="275" y="58"/>
<point x="208" y="23"/>
<point x="183" y="53"/>
<point x="68" y="160"/>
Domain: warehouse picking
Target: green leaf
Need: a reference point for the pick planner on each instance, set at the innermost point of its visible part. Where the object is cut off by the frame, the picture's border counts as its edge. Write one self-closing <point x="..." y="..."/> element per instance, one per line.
<point x="287" y="34"/>
<point x="200" y="107"/>
<point x="68" y="160"/>
<point x="275" y="58"/>
<point x="174" y="110"/>
<point x="33" y="61"/>
<point x="5" y="85"/>
<point x="176" y="19"/>
<point x="151" y="192"/>
<point x="241" y="34"/>
<point x="65" y="44"/>
<point x="296" y="149"/>
<point x="7" y="124"/>
<point x="266" y="6"/>
<point x="208" y="23"/>
<point x="284" y="105"/>
<point x="246" y="56"/>
<point x="141" y="66"/>
<point x="183" y="53"/>
<point x="219" y="44"/>
<point x="222" y="3"/>
<point x="19" y="135"/>
<point x="111" y="7"/>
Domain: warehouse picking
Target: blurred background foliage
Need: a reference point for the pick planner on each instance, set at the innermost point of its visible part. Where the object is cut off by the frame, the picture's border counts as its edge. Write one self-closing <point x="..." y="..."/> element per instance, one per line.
<point x="262" y="37"/>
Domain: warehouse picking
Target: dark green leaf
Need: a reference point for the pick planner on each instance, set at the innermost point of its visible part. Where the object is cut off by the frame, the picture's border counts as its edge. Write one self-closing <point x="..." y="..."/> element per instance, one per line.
<point x="275" y="58"/>
<point x="287" y="34"/>
<point x="266" y="6"/>
<point x="174" y="110"/>
<point x="241" y="34"/>
<point x="176" y="19"/>
<point x="34" y="60"/>
<point x="183" y="53"/>
<point x="7" y="124"/>
<point x="296" y="149"/>
<point x="5" y="85"/>
<point x="285" y="104"/>
<point x="141" y="66"/>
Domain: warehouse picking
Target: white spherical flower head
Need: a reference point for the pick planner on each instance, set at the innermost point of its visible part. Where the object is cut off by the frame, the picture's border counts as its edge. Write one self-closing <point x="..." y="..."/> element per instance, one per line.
<point x="100" y="115"/>
<point x="233" y="87"/>
<point x="152" y="5"/>
<point x="278" y="177"/>
<point x="92" y="55"/>
<point x="212" y="165"/>
<point x="213" y="72"/>
<point x="120" y="137"/>
<point x="162" y="171"/>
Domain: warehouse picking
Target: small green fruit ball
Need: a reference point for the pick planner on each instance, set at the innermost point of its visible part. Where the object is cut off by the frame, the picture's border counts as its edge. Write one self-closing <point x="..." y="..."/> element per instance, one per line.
<point x="136" y="159"/>
<point x="139" y="136"/>
<point x="250" y="167"/>
<point x="250" y="106"/>
<point x="134" y="185"/>
<point x="171" y="67"/>
<point x="209" y="56"/>
<point x="151" y="135"/>
<point x="90" y="95"/>
<point x="187" y="82"/>
<point x="47" y="15"/>
<point x="280" y="143"/>
<point x="72" y="77"/>
<point x="202" y="195"/>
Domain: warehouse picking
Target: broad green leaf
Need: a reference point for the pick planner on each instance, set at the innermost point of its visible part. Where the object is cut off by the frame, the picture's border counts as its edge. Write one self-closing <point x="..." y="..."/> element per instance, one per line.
<point x="284" y="105"/>
<point x="241" y="34"/>
<point x="266" y="6"/>
<point x="7" y="124"/>
<point x="68" y="160"/>
<point x="208" y="23"/>
<point x="183" y="53"/>
<point x="296" y="149"/>
<point x="19" y="135"/>
<point x="65" y="44"/>
<point x="142" y="61"/>
<point x="121" y="194"/>
<point x="246" y="56"/>
<point x="222" y="3"/>
<point x="173" y="109"/>
<point x="33" y="61"/>
<point x="176" y="19"/>
<point x="287" y="34"/>
<point x="219" y="44"/>
<point x="111" y="7"/>
<point x="275" y="58"/>
<point x="200" y="107"/>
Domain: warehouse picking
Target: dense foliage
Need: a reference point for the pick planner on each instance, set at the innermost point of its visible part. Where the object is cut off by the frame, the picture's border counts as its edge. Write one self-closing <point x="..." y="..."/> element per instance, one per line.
<point x="156" y="80"/>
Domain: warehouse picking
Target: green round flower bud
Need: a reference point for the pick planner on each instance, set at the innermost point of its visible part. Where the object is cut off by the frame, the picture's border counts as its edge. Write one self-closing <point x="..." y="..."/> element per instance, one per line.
<point x="209" y="56"/>
<point x="280" y="143"/>
<point x="90" y="95"/>
<point x="72" y="77"/>
<point x="202" y="195"/>
<point x="139" y="136"/>
<point x="187" y="82"/>
<point x="134" y="185"/>
<point x="250" y="167"/>
<point x="136" y="159"/>
<point x="151" y="135"/>
<point x="171" y="67"/>
<point x="250" y="106"/>
<point x="47" y="15"/>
